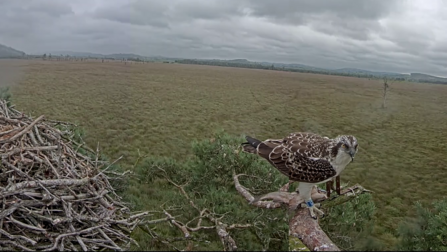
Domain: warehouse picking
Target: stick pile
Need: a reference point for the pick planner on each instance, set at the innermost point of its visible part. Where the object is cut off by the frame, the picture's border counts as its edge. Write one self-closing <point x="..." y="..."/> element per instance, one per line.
<point x="52" y="197"/>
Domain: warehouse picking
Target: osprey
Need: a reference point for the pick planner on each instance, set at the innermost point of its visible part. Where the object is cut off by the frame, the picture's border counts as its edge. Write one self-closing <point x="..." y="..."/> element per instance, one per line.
<point x="307" y="158"/>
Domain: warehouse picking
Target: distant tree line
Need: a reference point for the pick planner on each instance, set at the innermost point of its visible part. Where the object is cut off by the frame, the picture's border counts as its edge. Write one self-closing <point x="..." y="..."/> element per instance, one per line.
<point x="270" y="67"/>
<point x="84" y="58"/>
<point x="254" y="65"/>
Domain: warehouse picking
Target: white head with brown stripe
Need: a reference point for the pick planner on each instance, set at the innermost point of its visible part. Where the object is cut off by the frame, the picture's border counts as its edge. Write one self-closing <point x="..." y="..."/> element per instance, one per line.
<point x="345" y="150"/>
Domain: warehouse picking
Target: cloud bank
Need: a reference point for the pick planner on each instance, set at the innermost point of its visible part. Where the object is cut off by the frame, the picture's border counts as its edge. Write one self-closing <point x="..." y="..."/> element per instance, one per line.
<point x="382" y="35"/>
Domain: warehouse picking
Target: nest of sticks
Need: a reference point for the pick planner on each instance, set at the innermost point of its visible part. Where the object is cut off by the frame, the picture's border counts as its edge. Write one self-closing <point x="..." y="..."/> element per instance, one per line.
<point x="55" y="194"/>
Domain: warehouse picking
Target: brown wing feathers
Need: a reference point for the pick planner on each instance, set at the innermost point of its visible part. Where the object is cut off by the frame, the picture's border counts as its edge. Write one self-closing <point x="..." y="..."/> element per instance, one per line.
<point x="274" y="152"/>
<point x="298" y="156"/>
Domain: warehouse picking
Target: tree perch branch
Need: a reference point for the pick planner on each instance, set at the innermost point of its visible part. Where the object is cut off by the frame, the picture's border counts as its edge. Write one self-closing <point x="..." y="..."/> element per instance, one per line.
<point x="301" y="225"/>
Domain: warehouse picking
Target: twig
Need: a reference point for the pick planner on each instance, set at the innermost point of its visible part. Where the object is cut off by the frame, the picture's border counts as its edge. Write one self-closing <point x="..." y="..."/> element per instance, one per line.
<point x="14" y="237"/>
<point x="23" y="248"/>
<point x="181" y="227"/>
<point x="102" y="172"/>
<point x="26" y="225"/>
<point x="51" y="182"/>
<point x="110" y="241"/>
<point x="71" y="234"/>
<point x="23" y="131"/>
<point x="37" y="148"/>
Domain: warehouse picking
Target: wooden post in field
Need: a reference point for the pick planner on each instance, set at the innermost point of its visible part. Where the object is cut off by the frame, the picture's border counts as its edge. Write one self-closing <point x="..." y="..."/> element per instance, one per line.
<point x="385" y="90"/>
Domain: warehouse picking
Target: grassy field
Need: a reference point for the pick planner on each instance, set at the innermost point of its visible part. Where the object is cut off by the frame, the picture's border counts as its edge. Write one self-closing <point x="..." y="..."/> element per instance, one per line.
<point x="11" y="70"/>
<point x="158" y="109"/>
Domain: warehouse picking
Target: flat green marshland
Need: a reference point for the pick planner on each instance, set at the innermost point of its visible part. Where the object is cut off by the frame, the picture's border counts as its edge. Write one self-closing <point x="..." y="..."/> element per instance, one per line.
<point x="158" y="109"/>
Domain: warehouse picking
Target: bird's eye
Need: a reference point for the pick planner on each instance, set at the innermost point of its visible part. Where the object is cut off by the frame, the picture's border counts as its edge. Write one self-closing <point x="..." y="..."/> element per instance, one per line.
<point x="343" y="145"/>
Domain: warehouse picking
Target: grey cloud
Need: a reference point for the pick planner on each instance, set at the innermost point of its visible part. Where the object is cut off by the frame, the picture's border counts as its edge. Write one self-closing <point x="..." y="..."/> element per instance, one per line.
<point x="352" y="18"/>
<point x="27" y="18"/>
<point x="405" y="36"/>
<point x="51" y="7"/>
<point x="136" y="12"/>
<point x="208" y="10"/>
<point x="161" y="13"/>
<point x="293" y="10"/>
<point x="383" y="35"/>
<point x="353" y="27"/>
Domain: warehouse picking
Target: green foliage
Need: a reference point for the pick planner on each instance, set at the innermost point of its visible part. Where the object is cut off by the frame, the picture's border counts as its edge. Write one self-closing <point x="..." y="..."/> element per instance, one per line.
<point x="296" y="244"/>
<point x="75" y="134"/>
<point x="5" y="94"/>
<point x="79" y="134"/>
<point x="349" y="224"/>
<point x="208" y="180"/>
<point x="427" y="231"/>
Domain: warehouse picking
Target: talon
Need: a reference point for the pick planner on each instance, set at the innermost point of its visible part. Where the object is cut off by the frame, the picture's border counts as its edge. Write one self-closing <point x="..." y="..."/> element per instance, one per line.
<point x="319" y="211"/>
<point x="312" y="213"/>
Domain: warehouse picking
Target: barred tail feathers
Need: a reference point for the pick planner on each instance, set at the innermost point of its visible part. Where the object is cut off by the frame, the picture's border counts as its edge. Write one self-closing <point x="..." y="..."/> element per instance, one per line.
<point x="251" y="145"/>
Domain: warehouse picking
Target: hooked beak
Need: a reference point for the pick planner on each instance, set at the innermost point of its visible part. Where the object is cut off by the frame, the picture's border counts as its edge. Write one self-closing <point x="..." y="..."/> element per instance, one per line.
<point x="352" y="154"/>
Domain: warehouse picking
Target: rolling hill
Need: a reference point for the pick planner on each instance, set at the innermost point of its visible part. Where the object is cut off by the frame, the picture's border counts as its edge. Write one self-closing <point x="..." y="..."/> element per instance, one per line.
<point x="9" y="52"/>
<point x="426" y="77"/>
<point x="355" y="71"/>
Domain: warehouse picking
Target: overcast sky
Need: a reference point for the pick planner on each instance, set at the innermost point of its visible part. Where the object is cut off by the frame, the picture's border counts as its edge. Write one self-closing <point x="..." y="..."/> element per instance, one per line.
<point x="384" y="35"/>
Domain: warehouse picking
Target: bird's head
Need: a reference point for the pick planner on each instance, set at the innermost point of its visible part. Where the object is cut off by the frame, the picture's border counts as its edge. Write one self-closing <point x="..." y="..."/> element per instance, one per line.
<point x="347" y="145"/>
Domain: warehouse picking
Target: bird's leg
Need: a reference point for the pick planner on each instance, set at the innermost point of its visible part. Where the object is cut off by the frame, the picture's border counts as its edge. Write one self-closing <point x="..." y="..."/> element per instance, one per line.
<point x="305" y="190"/>
<point x="328" y="188"/>
<point x="313" y="207"/>
<point x="333" y="184"/>
<point x="337" y="186"/>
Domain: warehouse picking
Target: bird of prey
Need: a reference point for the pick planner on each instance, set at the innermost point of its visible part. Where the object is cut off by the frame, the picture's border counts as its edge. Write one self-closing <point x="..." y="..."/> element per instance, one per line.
<point x="307" y="158"/>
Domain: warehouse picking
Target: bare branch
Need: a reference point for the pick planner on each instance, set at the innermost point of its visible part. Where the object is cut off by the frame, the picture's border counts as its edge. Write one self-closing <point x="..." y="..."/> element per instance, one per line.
<point x="52" y="182"/>
<point x="181" y="227"/>
<point x="305" y="228"/>
<point x="18" y="150"/>
<point x="59" y="237"/>
<point x="16" y="237"/>
<point x="26" y="129"/>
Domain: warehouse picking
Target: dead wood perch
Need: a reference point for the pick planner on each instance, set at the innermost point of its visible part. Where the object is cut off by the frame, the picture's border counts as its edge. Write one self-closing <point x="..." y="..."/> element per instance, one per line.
<point x="301" y="225"/>
<point x="52" y="196"/>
